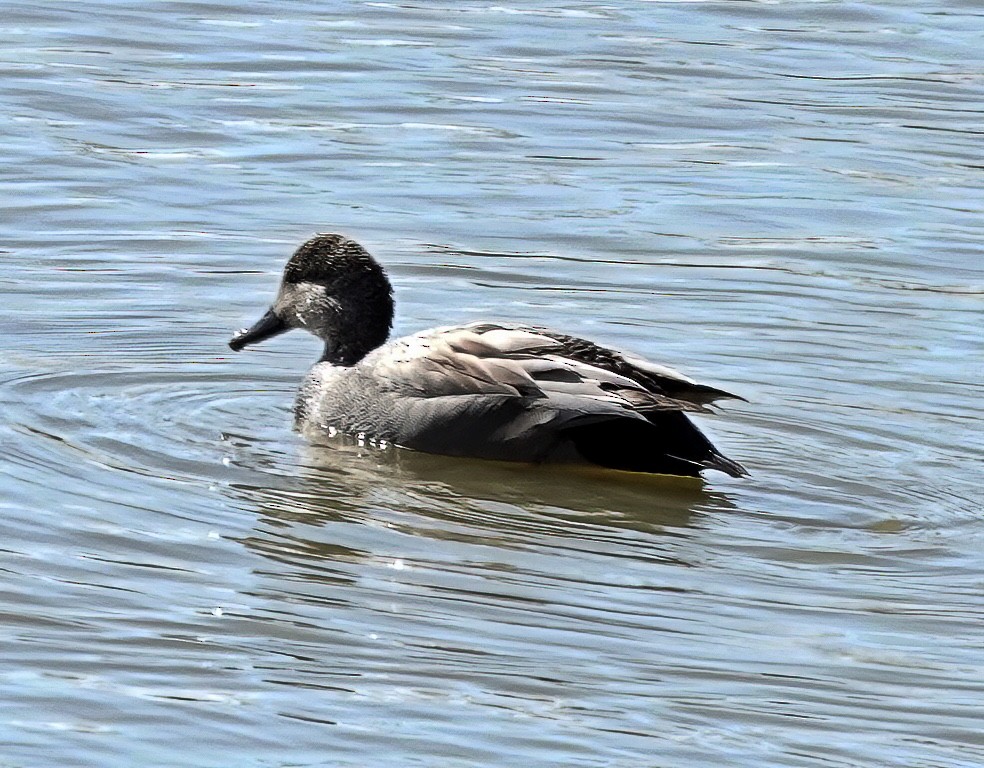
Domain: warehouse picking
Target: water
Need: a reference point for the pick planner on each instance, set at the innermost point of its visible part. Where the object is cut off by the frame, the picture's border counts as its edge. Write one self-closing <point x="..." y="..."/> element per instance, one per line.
<point x="780" y="199"/>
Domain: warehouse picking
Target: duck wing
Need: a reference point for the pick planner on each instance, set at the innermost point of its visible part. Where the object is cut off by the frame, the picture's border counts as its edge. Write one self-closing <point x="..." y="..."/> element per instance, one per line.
<point x="656" y="379"/>
<point x="549" y="355"/>
<point x="520" y="361"/>
<point x="456" y="361"/>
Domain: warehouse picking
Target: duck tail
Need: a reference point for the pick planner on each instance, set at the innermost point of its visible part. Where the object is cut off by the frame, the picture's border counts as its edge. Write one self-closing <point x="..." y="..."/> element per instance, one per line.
<point x="722" y="463"/>
<point x="665" y="443"/>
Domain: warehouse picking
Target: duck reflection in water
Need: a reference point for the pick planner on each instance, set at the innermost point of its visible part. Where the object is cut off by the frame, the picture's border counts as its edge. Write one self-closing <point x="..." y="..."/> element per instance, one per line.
<point x="414" y="496"/>
<point x="483" y="390"/>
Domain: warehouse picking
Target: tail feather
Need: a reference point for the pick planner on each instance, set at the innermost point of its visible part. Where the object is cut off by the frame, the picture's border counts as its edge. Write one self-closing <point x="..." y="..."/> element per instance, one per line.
<point x="705" y="395"/>
<point x="724" y="464"/>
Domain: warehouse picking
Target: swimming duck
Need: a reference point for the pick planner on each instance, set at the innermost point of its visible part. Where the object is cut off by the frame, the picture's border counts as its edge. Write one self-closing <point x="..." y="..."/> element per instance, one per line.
<point x="484" y="390"/>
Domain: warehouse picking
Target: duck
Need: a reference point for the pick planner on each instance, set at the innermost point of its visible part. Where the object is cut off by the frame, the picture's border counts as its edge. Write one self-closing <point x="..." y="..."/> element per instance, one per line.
<point x="483" y="390"/>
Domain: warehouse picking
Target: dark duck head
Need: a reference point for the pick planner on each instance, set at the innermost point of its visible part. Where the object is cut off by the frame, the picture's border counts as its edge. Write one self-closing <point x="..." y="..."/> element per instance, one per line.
<point x="334" y="289"/>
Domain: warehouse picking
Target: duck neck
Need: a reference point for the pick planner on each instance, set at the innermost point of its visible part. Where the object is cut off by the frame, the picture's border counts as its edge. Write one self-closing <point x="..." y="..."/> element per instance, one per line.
<point x="344" y="355"/>
<point x="358" y="325"/>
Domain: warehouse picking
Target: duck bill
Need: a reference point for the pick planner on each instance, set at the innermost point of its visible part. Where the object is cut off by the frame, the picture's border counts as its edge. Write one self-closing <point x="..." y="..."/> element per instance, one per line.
<point x="266" y="327"/>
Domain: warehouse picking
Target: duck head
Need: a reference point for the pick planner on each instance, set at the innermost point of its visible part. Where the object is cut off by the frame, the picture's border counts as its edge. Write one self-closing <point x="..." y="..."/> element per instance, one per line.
<point x="334" y="289"/>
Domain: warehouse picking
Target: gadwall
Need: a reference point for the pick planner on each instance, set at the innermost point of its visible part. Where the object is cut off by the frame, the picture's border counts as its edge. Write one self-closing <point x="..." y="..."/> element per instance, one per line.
<point x="484" y="390"/>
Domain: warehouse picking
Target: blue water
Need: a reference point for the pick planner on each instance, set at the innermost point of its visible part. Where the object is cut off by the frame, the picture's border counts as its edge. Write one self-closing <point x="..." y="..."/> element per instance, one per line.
<point x="782" y="199"/>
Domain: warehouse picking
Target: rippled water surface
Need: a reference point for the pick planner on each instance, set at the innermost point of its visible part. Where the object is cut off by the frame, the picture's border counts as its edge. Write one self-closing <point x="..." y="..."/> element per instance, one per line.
<point x="784" y="199"/>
